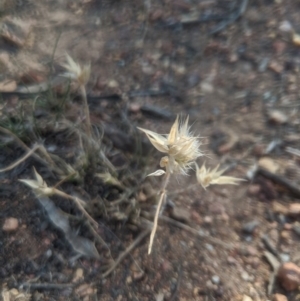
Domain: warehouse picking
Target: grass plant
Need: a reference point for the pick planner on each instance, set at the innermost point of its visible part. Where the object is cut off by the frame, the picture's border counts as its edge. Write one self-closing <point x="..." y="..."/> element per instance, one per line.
<point x="182" y="149"/>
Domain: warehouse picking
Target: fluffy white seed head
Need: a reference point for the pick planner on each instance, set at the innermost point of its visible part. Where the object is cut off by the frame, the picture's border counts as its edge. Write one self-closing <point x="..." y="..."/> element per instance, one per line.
<point x="181" y="147"/>
<point x="207" y="177"/>
<point x="76" y="72"/>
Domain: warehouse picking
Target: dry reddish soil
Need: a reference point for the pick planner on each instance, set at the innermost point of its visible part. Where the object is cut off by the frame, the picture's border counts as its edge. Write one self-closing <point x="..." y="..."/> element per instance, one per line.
<point x="235" y="72"/>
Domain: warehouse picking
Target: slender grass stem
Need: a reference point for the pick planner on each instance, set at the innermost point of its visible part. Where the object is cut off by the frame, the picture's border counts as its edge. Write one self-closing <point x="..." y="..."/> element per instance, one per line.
<point x="86" y="110"/>
<point x="163" y="193"/>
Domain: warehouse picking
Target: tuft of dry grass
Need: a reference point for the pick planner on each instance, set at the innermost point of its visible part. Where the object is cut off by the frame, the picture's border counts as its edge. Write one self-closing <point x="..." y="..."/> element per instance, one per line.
<point x="182" y="149"/>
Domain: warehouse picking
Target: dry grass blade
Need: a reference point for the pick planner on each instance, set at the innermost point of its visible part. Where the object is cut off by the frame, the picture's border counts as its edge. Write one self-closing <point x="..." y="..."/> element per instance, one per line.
<point x="40" y="188"/>
<point x="19" y="161"/>
<point x="48" y="160"/>
<point x="22" y="144"/>
<point x="79" y="204"/>
<point x="161" y="199"/>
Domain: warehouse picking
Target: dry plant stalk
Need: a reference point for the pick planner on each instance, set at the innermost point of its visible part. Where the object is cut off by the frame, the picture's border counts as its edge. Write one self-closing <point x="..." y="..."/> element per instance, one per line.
<point x="81" y="75"/>
<point x="19" y="161"/>
<point x="182" y="149"/>
<point x="40" y="188"/>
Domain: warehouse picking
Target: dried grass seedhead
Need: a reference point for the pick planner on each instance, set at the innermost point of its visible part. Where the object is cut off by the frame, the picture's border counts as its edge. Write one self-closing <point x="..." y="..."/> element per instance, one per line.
<point x="181" y="147"/>
<point x="76" y="72"/>
<point x="206" y="177"/>
<point x="39" y="186"/>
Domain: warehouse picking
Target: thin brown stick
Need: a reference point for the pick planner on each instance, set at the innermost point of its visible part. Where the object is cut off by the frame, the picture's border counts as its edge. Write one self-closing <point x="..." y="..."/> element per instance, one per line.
<point x="22" y="144"/>
<point x="19" y="161"/>
<point x="91" y="222"/>
<point x="64" y="180"/>
<point x="162" y="197"/>
<point x="126" y="252"/>
<point x="41" y="148"/>
<point x="294" y="189"/>
<point x="78" y="202"/>
<point x="46" y="286"/>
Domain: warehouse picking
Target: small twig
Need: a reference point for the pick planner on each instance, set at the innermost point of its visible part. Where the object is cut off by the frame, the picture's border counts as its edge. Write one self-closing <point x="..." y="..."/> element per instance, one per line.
<point x="78" y="202"/>
<point x="293" y="151"/>
<point x="22" y="144"/>
<point x="156" y="112"/>
<point x="273" y="261"/>
<point x="295" y="190"/>
<point x="15" y="164"/>
<point x="45" y="286"/>
<point x="64" y="179"/>
<point x="268" y="244"/>
<point x="49" y="158"/>
<point x="50" y="163"/>
<point x="126" y="252"/>
<point x="275" y="265"/>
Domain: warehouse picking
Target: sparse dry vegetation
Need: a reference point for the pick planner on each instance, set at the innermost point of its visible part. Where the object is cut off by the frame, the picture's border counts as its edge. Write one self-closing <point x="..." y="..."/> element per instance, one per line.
<point x="105" y="194"/>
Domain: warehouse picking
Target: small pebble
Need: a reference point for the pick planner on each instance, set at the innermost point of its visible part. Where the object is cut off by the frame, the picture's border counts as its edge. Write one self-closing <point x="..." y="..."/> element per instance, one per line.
<point x="285" y="235"/>
<point x="276" y="67"/>
<point x="113" y="84"/>
<point x="231" y="260"/>
<point x="296" y="39"/>
<point x="248" y="251"/>
<point x="268" y="164"/>
<point x="207" y="220"/>
<point x="207" y="88"/>
<point x="247" y="298"/>
<point x="248" y="238"/>
<point x="134" y="108"/>
<point x="279" y="208"/>
<point x="250" y="226"/>
<point x="279" y="297"/>
<point x="294" y="209"/>
<point x="10" y="224"/>
<point x="181" y="215"/>
<point x="262" y="67"/>
<point x="286" y="26"/>
<point x="296" y="228"/>
<point x="277" y="117"/>
<point x="254" y="189"/>
<point x="210" y="285"/>
<point x="285" y="257"/>
<point x="209" y="247"/>
<point x="245" y="276"/>
<point x="289" y="276"/>
<point x="215" y="279"/>
<point x="78" y="275"/>
<point x="255" y="262"/>
<point x="48" y="253"/>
